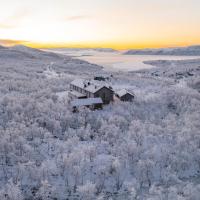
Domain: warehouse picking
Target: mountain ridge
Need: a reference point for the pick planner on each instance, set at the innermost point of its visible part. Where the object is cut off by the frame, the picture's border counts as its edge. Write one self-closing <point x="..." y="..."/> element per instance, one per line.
<point x="178" y="51"/>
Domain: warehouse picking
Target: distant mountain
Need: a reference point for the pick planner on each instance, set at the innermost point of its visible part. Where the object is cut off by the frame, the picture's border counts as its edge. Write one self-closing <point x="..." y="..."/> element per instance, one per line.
<point x="178" y="51"/>
<point x="31" y="52"/>
<point x="23" y="48"/>
<point x="1" y="47"/>
<point x="87" y="49"/>
<point x="105" y="50"/>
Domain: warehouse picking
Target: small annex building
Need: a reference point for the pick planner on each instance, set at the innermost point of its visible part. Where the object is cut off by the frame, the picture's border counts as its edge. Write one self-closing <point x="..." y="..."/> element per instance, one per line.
<point x="125" y="95"/>
<point x="81" y="89"/>
<point x="92" y="103"/>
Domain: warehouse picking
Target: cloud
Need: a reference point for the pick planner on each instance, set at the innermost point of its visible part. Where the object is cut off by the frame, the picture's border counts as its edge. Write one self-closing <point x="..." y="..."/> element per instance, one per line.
<point x="6" y="26"/>
<point x="14" y="20"/>
<point x="7" y="42"/>
<point x="77" y="17"/>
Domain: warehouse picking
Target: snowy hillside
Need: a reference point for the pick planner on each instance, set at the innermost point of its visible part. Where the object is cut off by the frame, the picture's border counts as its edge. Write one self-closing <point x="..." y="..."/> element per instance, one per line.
<point x="1" y="47"/>
<point x="21" y="56"/>
<point x="181" y="51"/>
<point x="148" y="149"/>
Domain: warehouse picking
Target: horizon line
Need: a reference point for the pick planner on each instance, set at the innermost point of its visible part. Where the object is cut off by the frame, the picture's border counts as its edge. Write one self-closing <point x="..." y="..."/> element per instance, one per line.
<point x="114" y="46"/>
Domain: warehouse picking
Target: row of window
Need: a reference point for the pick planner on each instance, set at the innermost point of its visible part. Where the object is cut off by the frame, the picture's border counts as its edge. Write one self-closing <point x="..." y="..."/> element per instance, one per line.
<point x="73" y="87"/>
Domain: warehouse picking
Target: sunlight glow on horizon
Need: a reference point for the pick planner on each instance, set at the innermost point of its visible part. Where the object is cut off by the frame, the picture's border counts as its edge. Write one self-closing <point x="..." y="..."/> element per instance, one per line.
<point x="119" y="24"/>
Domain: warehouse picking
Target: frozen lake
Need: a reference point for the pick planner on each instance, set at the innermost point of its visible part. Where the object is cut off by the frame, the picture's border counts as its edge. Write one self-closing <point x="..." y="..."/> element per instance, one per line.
<point x="117" y="61"/>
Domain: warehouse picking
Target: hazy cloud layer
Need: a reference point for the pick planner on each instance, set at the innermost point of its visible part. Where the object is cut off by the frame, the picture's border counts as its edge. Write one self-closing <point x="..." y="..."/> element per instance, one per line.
<point x="14" y="20"/>
<point x="11" y="42"/>
<point x="77" y="17"/>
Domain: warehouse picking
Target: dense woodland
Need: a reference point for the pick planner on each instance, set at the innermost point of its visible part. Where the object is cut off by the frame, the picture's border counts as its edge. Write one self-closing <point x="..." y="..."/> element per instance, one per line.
<point x="148" y="149"/>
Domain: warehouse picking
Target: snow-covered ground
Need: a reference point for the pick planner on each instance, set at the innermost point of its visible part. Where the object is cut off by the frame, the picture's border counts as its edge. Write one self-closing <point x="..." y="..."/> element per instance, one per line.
<point x="148" y="149"/>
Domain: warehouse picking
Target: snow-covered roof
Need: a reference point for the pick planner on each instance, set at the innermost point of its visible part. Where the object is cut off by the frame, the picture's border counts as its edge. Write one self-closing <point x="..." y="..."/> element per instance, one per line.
<point x="78" y="82"/>
<point x="123" y="92"/>
<point x="86" y="102"/>
<point x="90" y="85"/>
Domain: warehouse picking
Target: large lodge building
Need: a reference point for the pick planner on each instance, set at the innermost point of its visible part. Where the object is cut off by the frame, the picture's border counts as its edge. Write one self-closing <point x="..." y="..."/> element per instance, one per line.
<point x="80" y="89"/>
<point x="94" y="93"/>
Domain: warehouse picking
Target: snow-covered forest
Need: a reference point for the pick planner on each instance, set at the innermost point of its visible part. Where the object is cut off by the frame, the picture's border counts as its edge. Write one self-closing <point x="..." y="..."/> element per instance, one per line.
<point x="148" y="149"/>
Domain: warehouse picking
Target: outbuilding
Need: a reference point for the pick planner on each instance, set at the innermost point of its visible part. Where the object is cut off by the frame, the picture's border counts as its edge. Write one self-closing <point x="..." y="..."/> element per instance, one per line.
<point x="92" y="103"/>
<point x="125" y="95"/>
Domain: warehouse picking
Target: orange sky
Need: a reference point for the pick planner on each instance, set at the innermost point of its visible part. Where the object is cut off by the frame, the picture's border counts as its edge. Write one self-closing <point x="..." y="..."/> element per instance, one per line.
<point x="120" y="24"/>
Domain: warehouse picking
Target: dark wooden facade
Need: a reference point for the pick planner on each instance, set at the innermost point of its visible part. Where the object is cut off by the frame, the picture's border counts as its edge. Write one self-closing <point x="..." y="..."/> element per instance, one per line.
<point x="127" y="97"/>
<point x="106" y="95"/>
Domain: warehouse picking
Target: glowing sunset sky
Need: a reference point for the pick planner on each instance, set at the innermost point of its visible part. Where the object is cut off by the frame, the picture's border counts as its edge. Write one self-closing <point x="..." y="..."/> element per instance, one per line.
<point x="100" y="23"/>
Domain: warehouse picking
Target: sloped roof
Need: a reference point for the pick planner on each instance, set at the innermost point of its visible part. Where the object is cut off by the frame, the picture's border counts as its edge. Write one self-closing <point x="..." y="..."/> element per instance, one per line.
<point x="86" y="102"/>
<point x="90" y="85"/>
<point x="78" y="83"/>
<point x="123" y="92"/>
